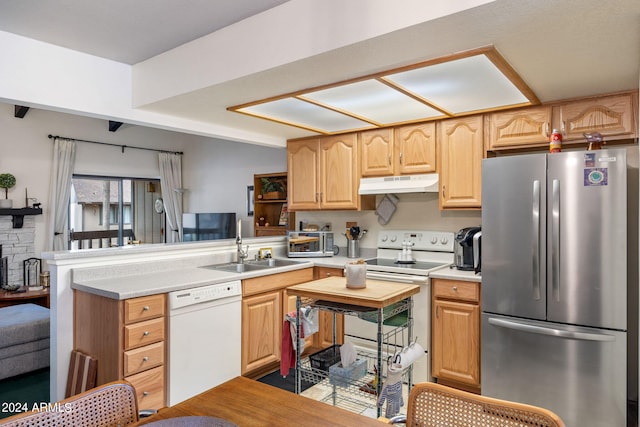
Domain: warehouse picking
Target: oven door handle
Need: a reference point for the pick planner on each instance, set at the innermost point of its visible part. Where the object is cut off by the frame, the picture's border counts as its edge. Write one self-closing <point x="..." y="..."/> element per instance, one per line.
<point x="400" y="278"/>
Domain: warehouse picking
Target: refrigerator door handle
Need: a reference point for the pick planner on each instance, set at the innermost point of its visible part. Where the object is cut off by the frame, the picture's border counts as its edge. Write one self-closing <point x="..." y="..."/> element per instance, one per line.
<point x="535" y="247"/>
<point x="555" y="239"/>
<point x="560" y="333"/>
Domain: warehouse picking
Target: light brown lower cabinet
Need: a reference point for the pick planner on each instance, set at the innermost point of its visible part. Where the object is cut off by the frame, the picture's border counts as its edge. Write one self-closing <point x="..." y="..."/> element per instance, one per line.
<point x="129" y="340"/>
<point x="263" y="308"/>
<point x="264" y="305"/>
<point x="455" y="333"/>
<point x="324" y="338"/>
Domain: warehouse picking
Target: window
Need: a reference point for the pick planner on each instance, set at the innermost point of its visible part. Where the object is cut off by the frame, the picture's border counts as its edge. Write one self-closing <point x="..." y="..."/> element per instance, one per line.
<point x="114" y="211"/>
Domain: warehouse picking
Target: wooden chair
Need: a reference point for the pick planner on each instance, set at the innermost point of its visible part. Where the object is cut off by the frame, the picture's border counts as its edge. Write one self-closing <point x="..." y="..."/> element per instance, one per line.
<point x="83" y="372"/>
<point x="112" y="404"/>
<point x="432" y="404"/>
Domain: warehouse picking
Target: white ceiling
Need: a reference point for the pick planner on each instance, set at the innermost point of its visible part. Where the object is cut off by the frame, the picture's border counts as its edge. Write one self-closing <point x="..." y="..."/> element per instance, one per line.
<point x="561" y="48"/>
<point x="127" y="31"/>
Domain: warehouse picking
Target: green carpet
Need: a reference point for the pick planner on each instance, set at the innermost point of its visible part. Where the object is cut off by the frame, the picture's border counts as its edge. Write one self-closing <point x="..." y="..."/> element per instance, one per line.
<point x="23" y="391"/>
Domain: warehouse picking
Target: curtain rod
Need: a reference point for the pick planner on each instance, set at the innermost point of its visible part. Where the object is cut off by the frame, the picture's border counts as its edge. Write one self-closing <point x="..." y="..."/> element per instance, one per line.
<point x="122" y="147"/>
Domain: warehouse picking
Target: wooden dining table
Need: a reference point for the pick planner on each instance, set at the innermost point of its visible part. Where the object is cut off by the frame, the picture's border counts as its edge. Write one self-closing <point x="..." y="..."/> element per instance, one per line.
<point x="247" y="402"/>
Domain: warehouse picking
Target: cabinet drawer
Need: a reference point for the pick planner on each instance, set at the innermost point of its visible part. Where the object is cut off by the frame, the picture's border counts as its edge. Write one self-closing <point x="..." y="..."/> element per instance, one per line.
<point x="143" y="333"/>
<point x="143" y="358"/>
<point x="258" y="285"/>
<point x="456" y="289"/>
<point x="149" y="387"/>
<point x="143" y="308"/>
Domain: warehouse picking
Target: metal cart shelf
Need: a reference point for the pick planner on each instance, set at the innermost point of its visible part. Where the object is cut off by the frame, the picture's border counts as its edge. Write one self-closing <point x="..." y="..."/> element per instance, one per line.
<point x="361" y="394"/>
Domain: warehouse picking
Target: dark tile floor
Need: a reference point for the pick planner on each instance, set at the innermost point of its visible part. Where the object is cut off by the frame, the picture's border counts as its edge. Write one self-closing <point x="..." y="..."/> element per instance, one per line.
<point x="23" y="391"/>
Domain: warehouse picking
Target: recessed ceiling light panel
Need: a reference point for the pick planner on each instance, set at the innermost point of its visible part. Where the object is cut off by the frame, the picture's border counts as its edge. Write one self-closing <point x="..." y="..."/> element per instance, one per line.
<point x="467" y="84"/>
<point x="374" y="101"/>
<point x="474" y="81"/>
<point x="304" y="114"/>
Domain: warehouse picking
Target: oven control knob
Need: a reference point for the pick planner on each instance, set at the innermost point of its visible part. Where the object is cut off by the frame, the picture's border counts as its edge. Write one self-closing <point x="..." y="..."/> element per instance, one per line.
<point x="384" y="238"/>
<point x="444" y="240"/>
<point x="394" y="238"/>
<point x="434" y="240"/>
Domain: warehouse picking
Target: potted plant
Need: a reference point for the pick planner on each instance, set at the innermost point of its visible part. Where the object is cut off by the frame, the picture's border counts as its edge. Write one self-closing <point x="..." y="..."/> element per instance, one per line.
<point x="7" y="181"/>
<point x="272" y="189"/>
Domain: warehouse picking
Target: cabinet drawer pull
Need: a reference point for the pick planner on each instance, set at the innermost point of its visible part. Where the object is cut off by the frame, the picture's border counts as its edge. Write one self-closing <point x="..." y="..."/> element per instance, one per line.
<point x="145" y="359"/>
<point x="145" y="333"/>
<point x="455" y="288"/>
<point x="146" y="308"/>
<point x="145" y="393"/>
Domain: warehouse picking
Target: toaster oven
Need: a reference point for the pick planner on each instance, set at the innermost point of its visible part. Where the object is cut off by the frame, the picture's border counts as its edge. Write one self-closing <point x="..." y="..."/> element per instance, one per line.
<point x="310" y="244"/>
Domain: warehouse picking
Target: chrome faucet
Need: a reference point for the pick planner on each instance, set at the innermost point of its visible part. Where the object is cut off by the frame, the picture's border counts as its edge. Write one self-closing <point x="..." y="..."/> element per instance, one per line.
<point x="241" y="254"/>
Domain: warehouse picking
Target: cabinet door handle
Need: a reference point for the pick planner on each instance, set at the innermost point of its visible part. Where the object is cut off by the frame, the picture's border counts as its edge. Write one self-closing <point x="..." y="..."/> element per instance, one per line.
<point x="437" y="314"/>
<point x="316" y="197"/>
<point x="400" y="158"/>
<point x="443" y="192"/>
<point x="546" y="129"/>
<point x="389" y="159"/>
<point x="321" y="197"/>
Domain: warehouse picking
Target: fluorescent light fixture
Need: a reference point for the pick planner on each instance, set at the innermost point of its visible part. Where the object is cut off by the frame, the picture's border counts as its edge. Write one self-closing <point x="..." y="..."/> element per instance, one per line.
<point x="479" y="80"/>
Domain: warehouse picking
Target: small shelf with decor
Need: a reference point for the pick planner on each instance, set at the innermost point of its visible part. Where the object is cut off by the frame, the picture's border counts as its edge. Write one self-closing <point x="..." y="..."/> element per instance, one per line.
<point x="19" y="213"/>
<point x="271" y="217"/>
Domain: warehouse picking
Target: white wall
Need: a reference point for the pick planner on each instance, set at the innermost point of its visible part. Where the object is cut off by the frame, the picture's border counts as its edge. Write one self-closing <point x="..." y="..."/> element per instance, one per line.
<point x="219" y="173"/>
<point x="215" y="172"/>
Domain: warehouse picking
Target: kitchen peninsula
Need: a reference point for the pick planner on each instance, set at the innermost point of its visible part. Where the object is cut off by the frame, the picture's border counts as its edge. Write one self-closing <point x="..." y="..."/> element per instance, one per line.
<point x="132" y="272"/>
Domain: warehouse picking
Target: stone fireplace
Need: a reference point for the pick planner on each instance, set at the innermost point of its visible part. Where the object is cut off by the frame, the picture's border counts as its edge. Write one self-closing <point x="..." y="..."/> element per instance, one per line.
<point x="18" y="244"/>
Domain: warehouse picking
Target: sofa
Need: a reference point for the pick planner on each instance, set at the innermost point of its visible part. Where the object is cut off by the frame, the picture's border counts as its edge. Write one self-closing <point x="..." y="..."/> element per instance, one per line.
<point x="24" y="339"/>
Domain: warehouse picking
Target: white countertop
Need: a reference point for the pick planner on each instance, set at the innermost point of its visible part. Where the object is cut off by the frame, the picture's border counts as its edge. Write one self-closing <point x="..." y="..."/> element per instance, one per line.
<point x="124" y="286"/>
<point x="455" y="274"/>
<point x="150" y="283"/>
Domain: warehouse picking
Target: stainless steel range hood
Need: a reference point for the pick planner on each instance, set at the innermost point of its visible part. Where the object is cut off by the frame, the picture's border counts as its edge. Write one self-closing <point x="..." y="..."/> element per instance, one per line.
<point x="427" y="183"/>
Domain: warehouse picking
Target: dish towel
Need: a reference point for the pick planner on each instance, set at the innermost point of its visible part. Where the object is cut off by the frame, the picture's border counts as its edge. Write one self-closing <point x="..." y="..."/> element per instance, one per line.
<point x="288" y="349"/>
<point x="386" y="208"/>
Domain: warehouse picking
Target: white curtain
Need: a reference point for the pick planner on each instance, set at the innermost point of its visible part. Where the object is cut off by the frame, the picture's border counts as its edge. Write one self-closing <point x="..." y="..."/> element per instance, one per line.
<point x="64" y="158"/>
<point x="171" y="183"/>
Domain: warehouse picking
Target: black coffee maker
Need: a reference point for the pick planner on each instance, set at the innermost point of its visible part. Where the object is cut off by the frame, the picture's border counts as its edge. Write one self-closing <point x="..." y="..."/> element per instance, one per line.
<point x="467" y="242"/>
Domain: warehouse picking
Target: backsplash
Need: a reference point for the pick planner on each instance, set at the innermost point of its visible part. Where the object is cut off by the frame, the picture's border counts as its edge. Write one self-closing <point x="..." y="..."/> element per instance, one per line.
<point x="418" y="211"/>
<point x="17" y="245"/>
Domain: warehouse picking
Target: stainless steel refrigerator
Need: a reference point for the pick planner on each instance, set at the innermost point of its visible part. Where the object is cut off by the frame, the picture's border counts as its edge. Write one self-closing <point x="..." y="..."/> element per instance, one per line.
<point x="559" y="282"/>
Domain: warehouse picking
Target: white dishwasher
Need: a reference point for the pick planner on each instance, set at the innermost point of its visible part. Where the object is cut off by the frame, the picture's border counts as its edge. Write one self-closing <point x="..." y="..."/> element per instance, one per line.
<point x="204" y="338"/>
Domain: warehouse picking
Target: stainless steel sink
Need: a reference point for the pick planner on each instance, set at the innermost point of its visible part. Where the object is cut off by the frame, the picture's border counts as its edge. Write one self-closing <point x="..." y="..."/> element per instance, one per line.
<point x="239" y="268"/>
<point x="252" y="265"/>
<point x="274" y="262"/>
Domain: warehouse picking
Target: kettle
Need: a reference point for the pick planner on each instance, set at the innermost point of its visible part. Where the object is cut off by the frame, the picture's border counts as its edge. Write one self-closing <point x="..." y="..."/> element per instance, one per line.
<point x="467" y="249"/>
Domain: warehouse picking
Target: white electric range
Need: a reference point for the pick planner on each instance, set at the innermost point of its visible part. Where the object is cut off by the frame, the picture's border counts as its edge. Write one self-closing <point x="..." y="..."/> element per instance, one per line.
<point x="406" y="256"/>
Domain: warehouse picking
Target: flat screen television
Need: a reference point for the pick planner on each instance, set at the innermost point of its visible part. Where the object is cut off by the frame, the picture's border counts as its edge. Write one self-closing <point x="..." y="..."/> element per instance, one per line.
<point x="208" y="226"/>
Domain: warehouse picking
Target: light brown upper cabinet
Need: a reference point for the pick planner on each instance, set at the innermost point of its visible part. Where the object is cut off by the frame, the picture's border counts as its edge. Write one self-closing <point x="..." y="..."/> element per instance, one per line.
<point x="614" y="116"/>
<point x="519" y="128"/>
<point x="402" y="150"/>
<point x="460" y="158"/>
<point x="323" y="173"/>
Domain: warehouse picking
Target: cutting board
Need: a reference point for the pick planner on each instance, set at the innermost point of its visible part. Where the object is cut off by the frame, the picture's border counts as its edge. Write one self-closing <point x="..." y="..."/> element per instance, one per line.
<point x="377" y="293"/>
